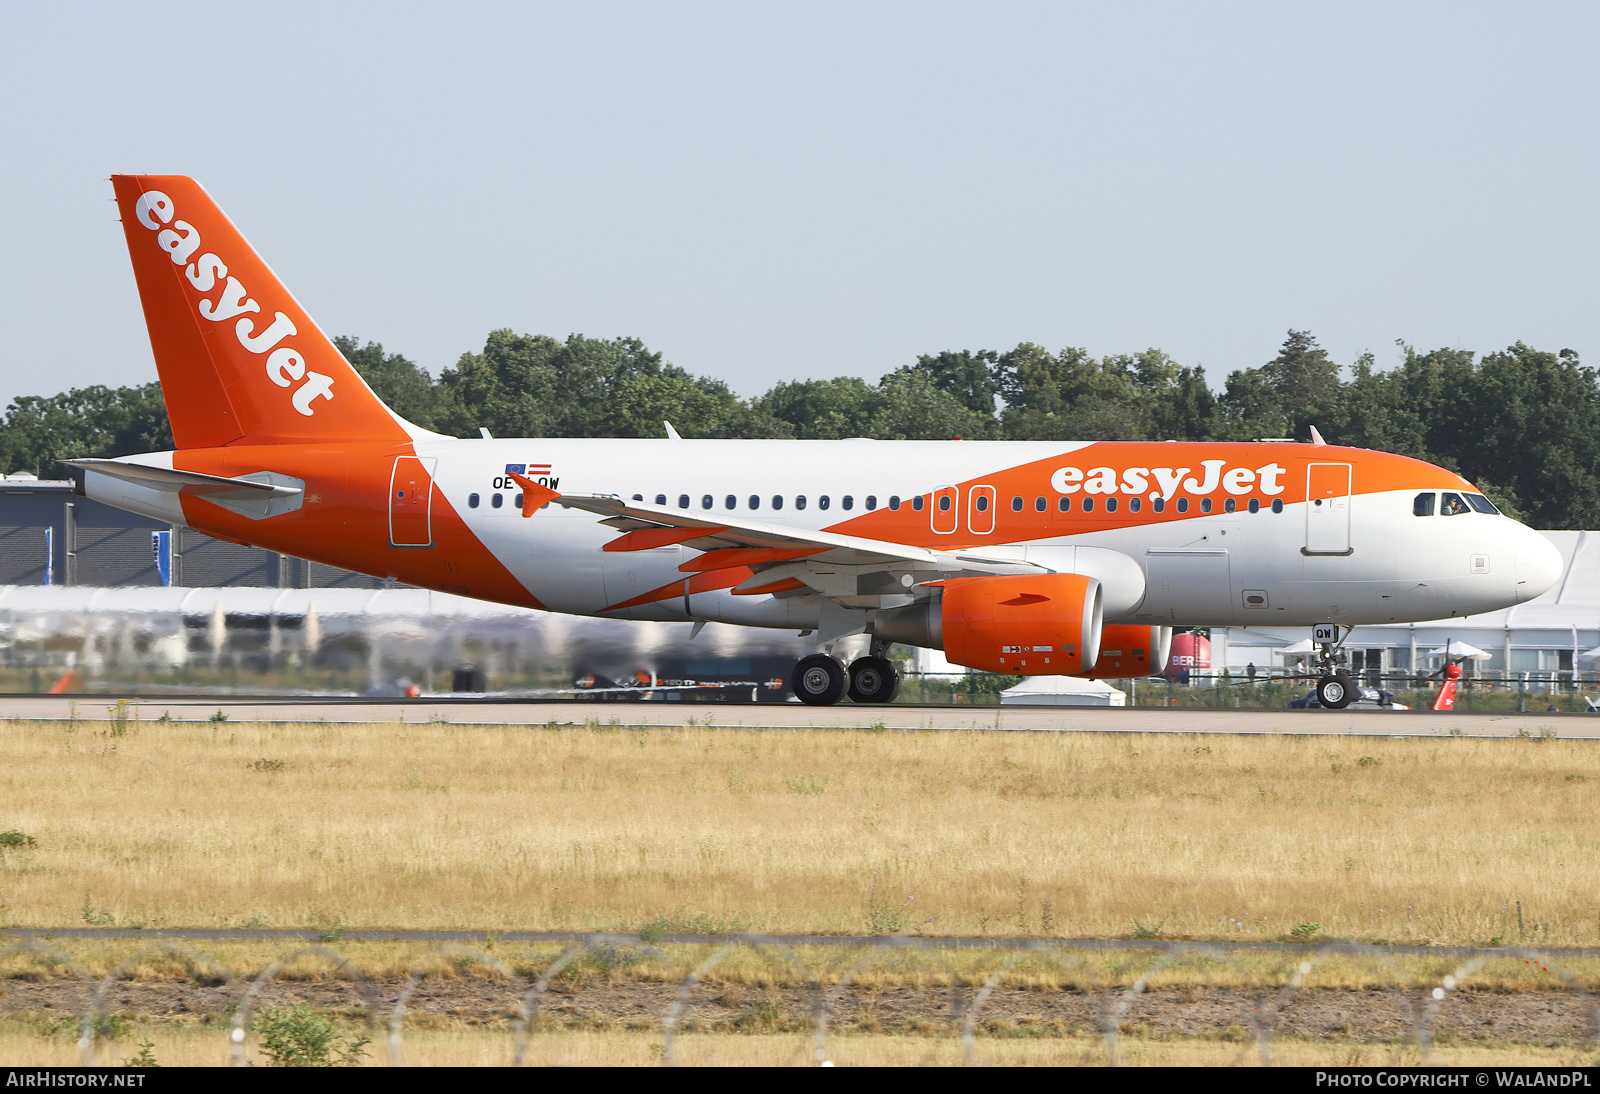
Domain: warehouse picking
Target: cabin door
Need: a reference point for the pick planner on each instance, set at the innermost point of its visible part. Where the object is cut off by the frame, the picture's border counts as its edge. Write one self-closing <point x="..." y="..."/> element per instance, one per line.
<point x="1328" y="509"/>
<point x="411" y="502"/>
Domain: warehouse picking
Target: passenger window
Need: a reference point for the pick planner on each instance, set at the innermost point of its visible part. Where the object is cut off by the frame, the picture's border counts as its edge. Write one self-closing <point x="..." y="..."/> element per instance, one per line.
<point x="1016" y="505"/>
<point x="1229" y="506"/>
<point x="705" y="501"/>
<point x="944" y="503"/>
<point x="638" y="497"/>
<point x="1255" y="505"/>
<point x="894" y="502"/>
<point x="1205" y="505"/>
<point x="683" y="501"/>
<point x="822" y="502"/>
<point x="1111" y="505"/>
<point x="982" y="503"/>
<point x="497" y="501"/>
<point x="730" y="502"/>
<point x="661" y="499"/>
<point x="1183" y="505"/>
<point x="1038" y="505"/>
<point x="472" y="501"/>
<point x="872" y="502"/>
<point x="777" y="501"/>
<point x="1088" y="505"/>
<point x="1451" y="505"/>
<point x="1481" y="503"/>
<point x="1422" y="505"/>
<point x="1065" y="505"/>
<point x="516" y="503"/>
<point x="847" y="503"/>
<point x="1135" y="504"/>
<point x="800" y="501"/>
<point x="1277" y="505"/>
<point x="755" y="501"/>
<point x="916" y="503"/>
<point x="1159" y="505"/>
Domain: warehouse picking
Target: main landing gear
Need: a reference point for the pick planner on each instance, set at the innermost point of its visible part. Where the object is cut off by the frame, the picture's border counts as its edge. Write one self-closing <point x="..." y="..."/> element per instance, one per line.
<point x="821" y="681"/>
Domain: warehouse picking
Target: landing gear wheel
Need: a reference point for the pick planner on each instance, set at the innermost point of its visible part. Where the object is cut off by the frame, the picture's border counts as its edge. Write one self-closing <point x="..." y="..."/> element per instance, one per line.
<point x="1337" y="691"/>
<point x="818" y="680"/>
<point x="873" y="680"/>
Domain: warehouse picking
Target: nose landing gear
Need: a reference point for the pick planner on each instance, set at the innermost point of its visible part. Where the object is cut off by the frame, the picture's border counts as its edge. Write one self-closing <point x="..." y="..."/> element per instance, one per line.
<point x="1336" y="689"/>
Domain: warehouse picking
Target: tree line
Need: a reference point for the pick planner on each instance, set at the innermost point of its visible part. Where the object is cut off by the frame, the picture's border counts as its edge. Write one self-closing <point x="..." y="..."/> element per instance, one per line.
<point x="1524" y="424"/>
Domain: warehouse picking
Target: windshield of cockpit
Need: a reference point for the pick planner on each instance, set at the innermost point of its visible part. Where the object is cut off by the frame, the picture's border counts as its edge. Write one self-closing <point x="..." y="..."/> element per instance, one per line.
<point x="1450" y="503"/>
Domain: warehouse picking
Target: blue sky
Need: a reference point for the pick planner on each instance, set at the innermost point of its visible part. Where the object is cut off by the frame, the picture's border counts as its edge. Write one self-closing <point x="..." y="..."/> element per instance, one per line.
<point x="765" y="192"/>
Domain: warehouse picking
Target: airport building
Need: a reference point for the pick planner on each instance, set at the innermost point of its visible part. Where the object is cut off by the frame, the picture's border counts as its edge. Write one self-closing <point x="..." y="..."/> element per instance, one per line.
<point x="50" y="536"/>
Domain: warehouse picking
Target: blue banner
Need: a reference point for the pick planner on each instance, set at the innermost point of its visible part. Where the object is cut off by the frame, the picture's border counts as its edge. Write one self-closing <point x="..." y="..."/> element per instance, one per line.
<point x="161" y="545"/>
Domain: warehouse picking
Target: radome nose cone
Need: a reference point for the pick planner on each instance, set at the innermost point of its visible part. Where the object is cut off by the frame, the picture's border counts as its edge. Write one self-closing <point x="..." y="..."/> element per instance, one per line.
<point x="1539" y="565"/>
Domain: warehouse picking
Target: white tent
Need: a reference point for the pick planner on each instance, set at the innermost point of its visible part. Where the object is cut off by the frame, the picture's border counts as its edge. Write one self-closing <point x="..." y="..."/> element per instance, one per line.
<point x="1062" y="691"/>
<point x="1305" y="645"/>
<point x="1457" y="648"/>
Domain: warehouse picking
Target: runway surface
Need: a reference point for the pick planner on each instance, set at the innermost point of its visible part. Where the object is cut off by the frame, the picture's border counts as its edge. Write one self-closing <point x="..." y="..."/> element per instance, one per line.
<point x="499" y="711"/>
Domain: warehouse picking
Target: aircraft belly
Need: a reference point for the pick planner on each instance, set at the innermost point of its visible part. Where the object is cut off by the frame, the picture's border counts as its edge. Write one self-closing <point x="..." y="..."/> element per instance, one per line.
<point x="556" y="559"/>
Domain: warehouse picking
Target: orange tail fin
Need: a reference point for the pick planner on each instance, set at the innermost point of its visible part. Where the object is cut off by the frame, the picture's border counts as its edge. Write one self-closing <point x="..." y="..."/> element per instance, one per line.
<point x="240" y="360"/>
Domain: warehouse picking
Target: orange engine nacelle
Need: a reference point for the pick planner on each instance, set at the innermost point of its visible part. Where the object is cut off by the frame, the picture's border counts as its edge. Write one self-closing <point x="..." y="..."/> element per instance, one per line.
<point x="1023" y="625"/>
<point x="1128" y="651"/>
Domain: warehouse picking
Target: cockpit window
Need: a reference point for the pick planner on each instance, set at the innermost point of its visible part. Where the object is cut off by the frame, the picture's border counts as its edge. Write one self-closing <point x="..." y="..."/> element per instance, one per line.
<point x="1451" y="505"/>
<point x="1423" y="505"/>
<point x="1481" y="503"/>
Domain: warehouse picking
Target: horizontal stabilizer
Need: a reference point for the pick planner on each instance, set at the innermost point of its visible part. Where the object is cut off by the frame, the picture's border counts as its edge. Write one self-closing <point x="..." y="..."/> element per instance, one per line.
<point x="190" y="482"/>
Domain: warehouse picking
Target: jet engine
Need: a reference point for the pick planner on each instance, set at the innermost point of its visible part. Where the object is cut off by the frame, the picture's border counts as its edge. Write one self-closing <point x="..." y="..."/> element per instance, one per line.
<point x="1024" y="625"/>
<point x="1128" y="651"/>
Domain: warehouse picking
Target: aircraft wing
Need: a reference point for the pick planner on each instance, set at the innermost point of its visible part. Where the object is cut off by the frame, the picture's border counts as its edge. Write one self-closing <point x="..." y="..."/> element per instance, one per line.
<point x="780" y="555"/>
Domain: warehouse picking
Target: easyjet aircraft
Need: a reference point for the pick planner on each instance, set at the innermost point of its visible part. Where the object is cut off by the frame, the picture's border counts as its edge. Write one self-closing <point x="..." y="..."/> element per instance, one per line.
<point x="1014" y="557"/>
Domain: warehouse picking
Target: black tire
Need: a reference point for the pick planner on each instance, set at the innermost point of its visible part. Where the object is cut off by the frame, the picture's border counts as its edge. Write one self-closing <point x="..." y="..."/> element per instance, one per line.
<point x="1337" y="691"/>
<point x="818" y="680"/>
<point x="873" y="680"/>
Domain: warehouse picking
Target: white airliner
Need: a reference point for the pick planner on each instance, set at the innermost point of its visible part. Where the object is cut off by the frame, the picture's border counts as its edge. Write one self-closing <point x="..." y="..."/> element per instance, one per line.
<point x="1031" y="558"/>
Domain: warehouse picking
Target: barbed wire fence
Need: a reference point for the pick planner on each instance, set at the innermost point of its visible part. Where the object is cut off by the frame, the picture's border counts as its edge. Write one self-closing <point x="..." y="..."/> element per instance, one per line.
<point x="1261" y="1011"/>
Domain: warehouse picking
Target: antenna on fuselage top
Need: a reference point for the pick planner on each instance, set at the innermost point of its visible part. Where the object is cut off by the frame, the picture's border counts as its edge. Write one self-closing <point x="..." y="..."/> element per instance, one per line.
<point x="483" y="431"/>
<point x="1316" y="438"/>
<point x="672" y="434"/>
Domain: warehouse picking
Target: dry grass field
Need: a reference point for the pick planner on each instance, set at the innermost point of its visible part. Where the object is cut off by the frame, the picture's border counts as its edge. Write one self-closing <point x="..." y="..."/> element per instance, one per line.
<point x="195" y="1047"/>
<point x="229" y="824"/>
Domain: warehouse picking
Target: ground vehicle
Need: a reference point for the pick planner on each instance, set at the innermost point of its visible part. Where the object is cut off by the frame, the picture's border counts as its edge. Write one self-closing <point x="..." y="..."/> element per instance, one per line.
<point x="1358" y="696"/>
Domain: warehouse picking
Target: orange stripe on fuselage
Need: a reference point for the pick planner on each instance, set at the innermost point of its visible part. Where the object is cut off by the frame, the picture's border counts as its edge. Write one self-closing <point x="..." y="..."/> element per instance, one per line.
<point x="694" y="583"/>
<point x="645" y="539"/>
<point x="343" y="519"/>
<point x="1371" y="472"/>
<point x="772" y="587"/>
<point x="745" y="556"/>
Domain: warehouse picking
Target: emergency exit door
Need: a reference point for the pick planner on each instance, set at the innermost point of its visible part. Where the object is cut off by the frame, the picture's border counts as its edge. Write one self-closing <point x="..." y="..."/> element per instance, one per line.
<point x="1327" y="509"/>
<point x="411" y="502"/>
